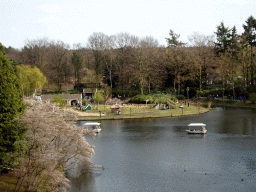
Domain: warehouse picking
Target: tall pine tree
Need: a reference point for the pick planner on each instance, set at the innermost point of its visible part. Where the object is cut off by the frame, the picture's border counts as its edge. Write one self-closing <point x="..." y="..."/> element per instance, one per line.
<point x="223" y="39"/>
<point x="250" y="34"/>
<point x="173" y="41"/>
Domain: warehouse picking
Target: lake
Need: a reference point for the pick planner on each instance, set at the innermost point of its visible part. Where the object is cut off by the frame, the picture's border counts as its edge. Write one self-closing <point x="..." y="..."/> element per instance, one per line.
<point x="158" y="155"/>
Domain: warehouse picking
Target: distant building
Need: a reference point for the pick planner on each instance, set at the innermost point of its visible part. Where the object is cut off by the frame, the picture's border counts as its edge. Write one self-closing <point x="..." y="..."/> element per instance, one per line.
<point x="88" y="92"/>
<point x="87" y="89"/>
<point x="70" y="98"/>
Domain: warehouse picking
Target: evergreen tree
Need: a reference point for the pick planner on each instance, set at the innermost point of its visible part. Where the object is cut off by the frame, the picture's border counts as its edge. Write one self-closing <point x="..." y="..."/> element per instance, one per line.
<point x="234" y="39"/>
<point x="250" y="34"/>
<point x="173" y="41"/>
<point x="223" y="39"/>
<point x="11" y="104"/>
<point x="234" y="56"/>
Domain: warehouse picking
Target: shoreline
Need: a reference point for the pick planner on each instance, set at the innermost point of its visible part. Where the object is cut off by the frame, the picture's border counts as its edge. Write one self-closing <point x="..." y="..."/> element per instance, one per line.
<point x="143" y="113"/>
<point x="232" y="105"/>
<point x="143" y="117"/>
<point x="173" y="113"/>
<point x="227" y="103"/>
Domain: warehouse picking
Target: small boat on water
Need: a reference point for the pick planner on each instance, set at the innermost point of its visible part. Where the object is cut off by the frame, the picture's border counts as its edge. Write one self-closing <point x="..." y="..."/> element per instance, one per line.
<point x="200" y="128"/>
<point x="94" y="126"/>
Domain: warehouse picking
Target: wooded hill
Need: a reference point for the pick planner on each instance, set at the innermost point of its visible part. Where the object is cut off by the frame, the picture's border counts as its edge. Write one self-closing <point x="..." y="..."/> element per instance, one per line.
<point x="128" y="64"/>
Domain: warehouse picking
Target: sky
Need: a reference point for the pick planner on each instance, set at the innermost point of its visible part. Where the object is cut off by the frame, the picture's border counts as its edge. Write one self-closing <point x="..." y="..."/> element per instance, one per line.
<point x="73" y="21"/>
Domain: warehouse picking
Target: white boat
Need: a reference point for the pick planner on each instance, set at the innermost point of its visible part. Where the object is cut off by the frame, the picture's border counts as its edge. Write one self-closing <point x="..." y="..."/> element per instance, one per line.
<point x="94" y="126"/>
<point x="200" y="128"/>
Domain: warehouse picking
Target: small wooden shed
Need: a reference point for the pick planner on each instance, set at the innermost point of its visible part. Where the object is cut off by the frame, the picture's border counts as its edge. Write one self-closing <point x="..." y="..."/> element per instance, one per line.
<point x="115" y="108"/>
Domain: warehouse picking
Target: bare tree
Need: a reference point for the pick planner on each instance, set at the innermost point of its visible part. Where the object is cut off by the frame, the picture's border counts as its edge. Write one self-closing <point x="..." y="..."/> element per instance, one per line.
<point x="203" y="52"/>
<point x="145" y="63"/>
<point x="57" y="60"/>
<point x="181" y="63"/>
<point x="35" y="52"/>
<point x="124" y="39"/>
<point x="109" y="55"/>
<point x="97" y="44"/>
<point x="244" y="58"/>
<point x="148" y="42"/>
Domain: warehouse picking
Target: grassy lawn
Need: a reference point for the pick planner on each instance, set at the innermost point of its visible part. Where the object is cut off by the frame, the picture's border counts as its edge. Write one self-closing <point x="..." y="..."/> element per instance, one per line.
<point x="143" y="111"/>
<point x="8" y="183"/>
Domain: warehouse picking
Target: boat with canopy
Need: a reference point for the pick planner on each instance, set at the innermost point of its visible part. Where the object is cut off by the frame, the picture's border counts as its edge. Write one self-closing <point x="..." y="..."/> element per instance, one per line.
<point x="200" y="128"/>
<point x="94" y="126"/>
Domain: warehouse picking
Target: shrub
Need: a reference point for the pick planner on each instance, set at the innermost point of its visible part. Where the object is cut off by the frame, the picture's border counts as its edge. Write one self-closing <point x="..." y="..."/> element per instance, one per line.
<point x="84" y="102"/>
<point x="162" y="98"/>
<point x="252" y="97"/>
<point x="60" y="100"/>
<point x="181" y="97"/>
<point x="203" y="93"/>
<point x="155" y="98"/>
<point x="141" y="99"/>
<point x="73" y="92"/>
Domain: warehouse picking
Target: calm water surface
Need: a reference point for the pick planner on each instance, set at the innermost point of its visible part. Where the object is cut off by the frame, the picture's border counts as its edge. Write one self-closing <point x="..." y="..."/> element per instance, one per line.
<point x="158" y="155"/>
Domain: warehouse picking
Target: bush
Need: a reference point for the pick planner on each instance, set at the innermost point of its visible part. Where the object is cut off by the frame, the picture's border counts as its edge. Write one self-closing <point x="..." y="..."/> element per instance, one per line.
<point x="73" y="92"/>
<point x="155" y="98"/>
<point x="181" y="97"/>
<point x="162" y="98"/>
<point x="60" y="100"/>
<point x="252" y="97"/>
<point x="203" y="93"/>
<point x="141" y="99"/>
<point x="84" y="102"/>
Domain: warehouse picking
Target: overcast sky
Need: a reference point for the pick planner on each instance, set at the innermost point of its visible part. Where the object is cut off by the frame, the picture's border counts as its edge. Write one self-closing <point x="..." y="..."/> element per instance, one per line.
<point x="73" y="21"/>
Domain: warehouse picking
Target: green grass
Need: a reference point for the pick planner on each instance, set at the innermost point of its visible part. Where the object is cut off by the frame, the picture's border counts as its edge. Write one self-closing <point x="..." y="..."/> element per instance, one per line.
<point x="8" y="183"/>
<point x="143" y="111"/>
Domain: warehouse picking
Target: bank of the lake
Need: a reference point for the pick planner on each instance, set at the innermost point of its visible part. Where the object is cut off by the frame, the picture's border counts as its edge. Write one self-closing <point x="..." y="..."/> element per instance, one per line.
<point x="102" y="112"/>
<point x="229" y="103"/>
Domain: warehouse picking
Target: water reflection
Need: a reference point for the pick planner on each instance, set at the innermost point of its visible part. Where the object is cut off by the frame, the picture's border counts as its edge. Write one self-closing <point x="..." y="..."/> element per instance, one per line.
<point x="85" y="182"/>
<point x="236" y="121"/>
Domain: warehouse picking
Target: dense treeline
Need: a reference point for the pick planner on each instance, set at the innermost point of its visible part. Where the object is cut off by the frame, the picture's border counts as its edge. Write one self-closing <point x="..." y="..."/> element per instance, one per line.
<point x="128" y="64"/>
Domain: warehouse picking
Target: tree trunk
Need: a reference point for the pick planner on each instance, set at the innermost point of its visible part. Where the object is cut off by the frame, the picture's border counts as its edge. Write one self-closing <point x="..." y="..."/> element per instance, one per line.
<point x="200" y="78"/>
<point x="179" y="85"/>
<point x="174" y="85"/>
<point x="252" y="68"/>
<point x="149" y="86"/>
<point x="223" y="88"/>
